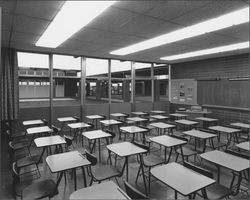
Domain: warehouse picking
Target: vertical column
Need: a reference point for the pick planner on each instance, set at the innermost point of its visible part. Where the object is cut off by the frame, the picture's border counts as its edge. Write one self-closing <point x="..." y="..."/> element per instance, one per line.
<point x="83" y="88"/>
<point x="133" y="86"/>
<point x="109" y="87"/>
<point x="125" y="91"/>
<point x="98" y="89"/>
<point x="152" y="85"/>
<point x="51" y="91"/>
<point x="169" y="83"/>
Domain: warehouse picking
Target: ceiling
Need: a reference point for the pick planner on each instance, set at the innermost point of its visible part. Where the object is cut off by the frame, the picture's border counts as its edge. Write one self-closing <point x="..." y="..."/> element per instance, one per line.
<point x="124" y="23"/>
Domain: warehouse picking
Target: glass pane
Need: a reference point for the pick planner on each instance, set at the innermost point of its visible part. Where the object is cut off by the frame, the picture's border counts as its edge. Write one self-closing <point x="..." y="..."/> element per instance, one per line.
<point x="96" y="80"/>
<point x="142" y="70"/>
<point x="120" y="91"/>
<point x="161" y="82"/>
<point x="66" y="80"/>
<point x="34" y="86"/>
<point x="143" y="91"/>
<point x="120" y="69"/>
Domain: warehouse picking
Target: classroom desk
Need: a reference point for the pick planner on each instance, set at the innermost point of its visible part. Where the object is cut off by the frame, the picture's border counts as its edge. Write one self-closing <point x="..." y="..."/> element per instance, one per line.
<point x="178" y="116"/>
<point x="227" y="130"/>
<point x="59" y="163"/>
<point x="118" y="115"/>
<point x="95" y="118"/>
<point x="157" y="111"/>
<point x="133" y="130"/>
<point x="187" y="123"/>
<point x="137" y="120"/>
<point x="64" y="120"/>
<point x="78" y="125"/>
<point x="138" y="113"/>
<point x="181" y="179"/>
<point x="95" y="135"/>
<point x="206" y="120"/>
<point x="222" y="159"/>
<point x="194" y="113"/>
<point x="159" y="117"/>
<point x="168" y="142"/>
<point x="45" y="142"/>
<point x="197" y="134"/>
<point x="241" y="125"/>
<point x="33" y="122"/>
<point x="38" y="130"/>
<point x="104" y="190"/>
<point x="244" y="145"/>
<point x="162" y="126"/>
<point x="111" y="123"/>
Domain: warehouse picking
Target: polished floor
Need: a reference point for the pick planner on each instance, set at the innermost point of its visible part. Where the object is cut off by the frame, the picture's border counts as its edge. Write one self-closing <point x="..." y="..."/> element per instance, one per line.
<point x="158" y="190"/>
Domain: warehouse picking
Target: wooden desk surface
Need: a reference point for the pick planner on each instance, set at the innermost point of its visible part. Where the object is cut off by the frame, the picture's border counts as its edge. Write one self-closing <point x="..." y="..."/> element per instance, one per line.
<point x="162" y="125"/>
<point x="226" y="160"/>
<point x="199" y="134"/>
<point x="96" y="134"/>
<point x="110" y="122"/>
<point x="32" y="122"/>
<point x="78" y="125"/>
<point x="167" y="141"/>
<point x="157" y="111"/>
<point x="40" y="129"/>
<point x="49" y="141"/>
<point x="224" y="129"/>
<point x="186" y="122"/>
<point x="180" y="178"/>
<point x="94" y="117"/>
<point x="244" y="145"/>
<point x="133" y="129"/>
<point x="139" y="113"/>
<point x="241" y="125"/>
<point x="66" y="119"/>
<point x="123" y="149"/>
<point x="65" y="161"/>
<point x="206" y="119"/>
<point x="118" y="115"/>
<point x="136" y="119"/>
<point x="104" y="190"/>
<point x="159" y="117"/>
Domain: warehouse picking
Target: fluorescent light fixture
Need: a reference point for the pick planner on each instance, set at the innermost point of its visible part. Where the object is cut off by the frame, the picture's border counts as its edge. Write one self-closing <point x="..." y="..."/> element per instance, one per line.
<point x="70" y="19"/>
<point x="237" y="46"/>
<point x="221" y="22"/>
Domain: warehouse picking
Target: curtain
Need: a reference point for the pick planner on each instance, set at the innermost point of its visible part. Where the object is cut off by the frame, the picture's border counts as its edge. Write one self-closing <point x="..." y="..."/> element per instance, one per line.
<point x="9" y="79"/>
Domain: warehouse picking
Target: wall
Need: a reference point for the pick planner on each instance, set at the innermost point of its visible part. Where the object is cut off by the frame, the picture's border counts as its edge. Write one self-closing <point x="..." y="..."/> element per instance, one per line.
<point x="224" y="67"/>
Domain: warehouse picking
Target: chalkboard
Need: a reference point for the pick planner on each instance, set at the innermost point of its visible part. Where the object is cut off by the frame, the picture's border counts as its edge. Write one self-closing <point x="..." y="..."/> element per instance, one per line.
<point x="224" y="92"/>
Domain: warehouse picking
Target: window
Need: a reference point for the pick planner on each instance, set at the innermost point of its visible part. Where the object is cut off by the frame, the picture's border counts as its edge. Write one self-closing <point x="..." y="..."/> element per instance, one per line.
<point x="161" y="82"/>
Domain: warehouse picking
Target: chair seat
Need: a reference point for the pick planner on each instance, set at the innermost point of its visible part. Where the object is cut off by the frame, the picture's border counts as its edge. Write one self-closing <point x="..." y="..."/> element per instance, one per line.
<point x="186" y="151"/>
<point x="19" y="140"/>
<point x="152" y="160"/>
<point x="41" y="189"/>
<point x="150" y="127"/>
<point x="20" y="145"/>
<point x="217" y="191"/>
<point x="16" y="135"/>
<point x="23" y="162"/>
<point x="103" y="172"/>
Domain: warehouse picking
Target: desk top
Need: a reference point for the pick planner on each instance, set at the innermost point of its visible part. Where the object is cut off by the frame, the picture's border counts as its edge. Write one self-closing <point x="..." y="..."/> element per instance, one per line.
<point x="180" y="178"/>
<point x="199" y="134"/>
<point x="78" y="125"/>
<point x="40" y="129"/>
<point x="64" y="161"/>
<point x="96" y="134"/>
<point x="157" y="111"/>
<point x="118" y="115"/>
<point x="206" y="119"/>
<point x="162" y="125"/>
<point x="32" y="122"/>
<point x="133" y="129"/>
<point x="94" y="117"/>
<point x="159" y="117"/>
<point x="49" y="141"/>
<point x="241" y="125"/>
<point x="226" y="160"/>
<point x="139" y="113"/>
<point x="186" y="122"/>
<point x="123" y="149"/>
<point x="195" y="112"/>
<point x="136" y="119"/>
<point x="66" y="119"/>
<point x="167" y="141"/>
<point x="104" y="190"/>
<point x="224" y="129"/>
<point x="244" y="145"/>
<point x="177" y="115"/>
<point x="110" y="122"/>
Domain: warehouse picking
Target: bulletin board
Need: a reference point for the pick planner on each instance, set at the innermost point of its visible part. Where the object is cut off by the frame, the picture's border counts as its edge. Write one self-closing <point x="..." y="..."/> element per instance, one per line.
<point x="184" y="91"/>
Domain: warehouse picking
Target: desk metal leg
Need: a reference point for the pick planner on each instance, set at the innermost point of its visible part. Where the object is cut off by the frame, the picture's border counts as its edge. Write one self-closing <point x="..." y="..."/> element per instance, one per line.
<point x="75" y="181"/>
<point x="143" y="174"/>
<point x="175" y="194"/>
<point x="84" y="177"/>
<point x="99" y="143"/>
<point x="218" y="174"/>
<point x="125" y="165"/>
<point x="182" y="156"/>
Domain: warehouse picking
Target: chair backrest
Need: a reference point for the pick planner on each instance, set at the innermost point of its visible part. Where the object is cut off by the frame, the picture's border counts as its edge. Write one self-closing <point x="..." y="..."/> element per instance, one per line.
<point x="91" y="158"/>
<point x="133" y="193"/>
<point x="15" y="174"/>
<point x="68" y="140"/>
<point x="77" y="118"/>
<point x="236" y="153"/>
<point x="104" y="117"/>
<point x="179" y="137"/>
<point x="55" y="130"/>
<point x="45" y="122"/>
<point x="11" y="146"/>
<point x="144" y="127"/>
<point x="111" y="133"/>
<point x="198" y="169"/>
<point x="207" y="130"/>
<point x="143" y="146"/>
